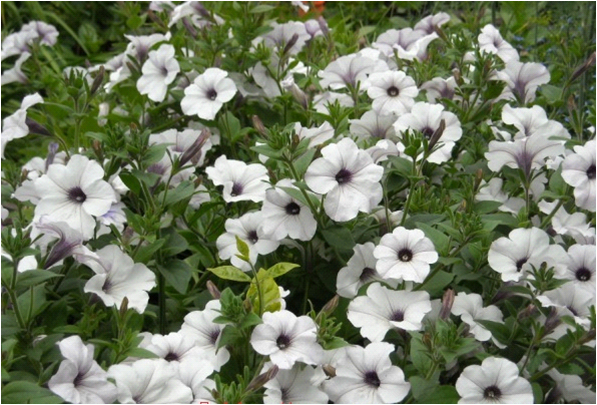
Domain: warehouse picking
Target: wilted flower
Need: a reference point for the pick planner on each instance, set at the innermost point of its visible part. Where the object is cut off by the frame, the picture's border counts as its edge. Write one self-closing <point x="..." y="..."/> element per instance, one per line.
<point x="15" y="74"/>
<point x="208" y="93"/>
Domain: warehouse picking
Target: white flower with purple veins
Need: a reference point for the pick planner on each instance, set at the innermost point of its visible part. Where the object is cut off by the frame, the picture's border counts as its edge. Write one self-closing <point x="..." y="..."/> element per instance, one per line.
<point x="17" y="43"/>
<point x="382" y="310"/>
<point x="117" y="276"/>
<point x="206" y="333"/>
<point x="578" y="170"/>
<point x="46" y="33"/>
<point x="349" y="70"/>
<point x="194" y="375"/>
<point x="563" y="223"/>
<point x="241" y="182"/>
<point x="513" y="256"/>
<point x="208" y="93"/>
<point x="80" y="380"/>
<point x="469" y="307"/>
<point x="492" y="191"/>
<point x="322" y="102"/>
<point x="74" y="193"/>
<point x="430" y="23"/>
<point x="263" y="78"/>
<point x="292" y="35"/>
<point x="581" y="266"/>
<point x="533" y="121"/>
<point x="373" y="125"/>
<point x="367" y="376"/>
<point x="15" y="74"/>
<point x="409" y="44"/>
<point x="405" y="255"/>
<point x="491" y="41"/>
<point x="522" y="80"/>
<point x="349" y="178"/>
<point x="439" y="87"/>
<point x="176" y="348"/>
<point x="249" y="229"/>
<point x="115" y="216"/>
<point x="359" y="271"/>
<point x="316" y="135"/>
<point x="576" y="301"/>
<point x="192" y="144"/>
<point x="526" y="154"/>
<point x="286" y="216"/>
<point x="286" y="339"/>
<point x="426" y="118"/>
<point x="159" y="70"/>
<point x="14" y="126"/>
<point x="139" y="45"/>
<point x="70" y="241"/>
<point x="149" y="381"/>
<point x="495" y="381"/>
<point x="392" y="92"/>
<point x="199" y="16"/>
<point x="299" y="385"/>
<point x="571" y="388"/>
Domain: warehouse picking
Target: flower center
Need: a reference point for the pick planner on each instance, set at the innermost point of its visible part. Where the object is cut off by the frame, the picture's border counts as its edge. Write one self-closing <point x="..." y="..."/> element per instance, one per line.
<point x="520" y="263"/>
<point x="427" y="132"/>
<point x="78" y="379"/>
<point x="492" y="392"/>
<point x="171" y="357"/>
<point x="591" y="172"/>
<point x="237" y="189"/>
<point x="343" y="176"/>
<point x="367" y="274"/>
<point x="283" y="342"/>
<point x="212" y="94"/>
<point x="107" y="286"/>
<point x="293" y="209"/>
<point x="583" y="274"/>
<point x="213" y="336"/>
<point x="397" y="316"/>
<point x="372" y="379"/>
<point x="75" y="194"/>
<point x="572" y="309"/>
<point x="405" y="255"/>
<point x="393" y="91"/>
<point x="252" y="236"/>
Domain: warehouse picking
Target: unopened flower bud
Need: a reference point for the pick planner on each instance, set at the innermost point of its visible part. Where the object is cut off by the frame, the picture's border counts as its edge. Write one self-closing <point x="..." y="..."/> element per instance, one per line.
<point x="259" y="127"/>
<point x="262" y="379"/>
<point x="527" y="312"/>
<point x="323" y="25"/>
<point x="124" y="306"/>
<point x="290" y="44"/>
<point x="437" y="134"/>
<point x="447" y="302"/>
<point x="331" y="305"/>
<point x="289" y="85"/>
<point x="99" y="79"/>
<point x="552" y="321"/>
<point x="189" y="27"/>
<point x="329" y="370"/>
<point x="195" y="149"/>
<point x="213" y="290"/>
<point x="571" y="103"/>
<point x="478" y="180"/>
<point x="52" y="149"/>
<point x="36" y="128"/>
<point x="583" y="68"/>
<point x="589" y="336"/>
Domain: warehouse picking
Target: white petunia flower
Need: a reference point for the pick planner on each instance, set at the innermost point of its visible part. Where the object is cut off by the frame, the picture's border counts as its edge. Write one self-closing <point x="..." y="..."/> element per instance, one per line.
<point x="248" y="228"/>
<point x="194" y="375"/>
<point x="491" y="41"/>
<point x="118" y="276"/>
<point x="533" y="122"/>
<point x="439" y="87"/>
<point x="392" y="92"/>
<point x="513" y="256"/>
<point x="373" y="125"/>
<point x="577" y="301"/>
<point x="149" y="382"/>
<point x="522" y="80"/>
<point x="316" y="135"/>
<point x="571" y="388"/>
<point x="74" y="194"/>
<point x="495" y="381"/>
<point x="349" y="70"/>
<point x="241" y="182"/>
<point x="322" y="102"/>
<point x="383" y="309"/>
<point x="206" y="334"/>
<point x="426" y="118"/>
<point x="69" y="243"/>
<point x="159" y="71"/>
<point x="492" y="191"/>
<point x="285" y="216"/>
<point x="367" y="376"/>
<point x="298" y="385"/>
<point x="405" y="255"/>
<point x="292" y="33"/>
<point x="578" y="170"/>
<point x="564" y="223"/>
<point x="15" y="74"/>
<point x="469" y="307"/>
<point x="46" y="33"/>
<point x="359" y="271"/>
<point x="178" y="349"/>
<point x="79" y="379"/>
<point x="208" y="93"/>
<point x="430" y="23"/>
<point x="409" y="44"/>
<point x="581" y="267"/>
<point x="139" y="46"/>
<point x="286" y="339"/>
<point x="349" y="178"/>
<point x="14" y="126"/>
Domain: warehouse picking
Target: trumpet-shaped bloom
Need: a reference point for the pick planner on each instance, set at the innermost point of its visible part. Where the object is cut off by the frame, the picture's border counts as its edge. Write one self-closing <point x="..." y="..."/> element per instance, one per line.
<point x="495" y="381"/>
<point x="367" y="376"/>
<point x="393" y="92"/>
<point x="383" y="309"/>
<point x="430" y="23"/>
<point x="14" y="126"/>
<point x="522" y="80"/>
<point x="581" y="266"/>
<point x="470" y="309"/>
<point x="405" y="255"/>
<point x="491" y="41"/>
<point x="298" y="385"/>
<point x="349" y="177"/>
<point x="208" y="93"/>
<point x="241" y="182"/>
<point x="286" y="339"/>
<point x="578" y="170"/>
<point x="373" y="125"/>
<point x="533" y="121"/>
<point x="159" y="71"/>
<point x="349" y="70"/>
<point x="292" y="35"/>
<point x="408" y="43"/>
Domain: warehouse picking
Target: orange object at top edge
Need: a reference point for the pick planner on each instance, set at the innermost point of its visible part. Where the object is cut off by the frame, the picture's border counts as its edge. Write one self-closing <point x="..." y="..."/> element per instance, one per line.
<point x="315" y="7"/>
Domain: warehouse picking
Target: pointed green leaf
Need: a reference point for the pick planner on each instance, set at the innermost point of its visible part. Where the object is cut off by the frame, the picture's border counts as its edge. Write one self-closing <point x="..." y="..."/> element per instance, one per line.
<point x="230" y="273"/>
<point x="280" y="269"/>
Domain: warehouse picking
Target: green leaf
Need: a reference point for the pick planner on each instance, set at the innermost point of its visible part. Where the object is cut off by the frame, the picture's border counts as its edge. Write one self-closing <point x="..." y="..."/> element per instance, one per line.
<point x="183" y="191"/>
<point x="498" y="330"/>
<point x="421" y="386"/>
<point x="439" y="239"/>
<point x="251" y="319"/>
<point x="338" y="237"/>
<point x="551" y="93"/>
<point x="419" y="353"/>
<point x="141" y="353"/>
<point x="269" y="291"/>
<point x="262" y="8"/>
<point x="25" y="392"/>
<point x="335" y="343"/>
<point x="32" y="302"/>
<point x="486" y="207"/>
<point x="266" y="150"/>
<point x="302" y="163"/>
<point x="146" y="253"/>
<point x="131" y="181"/>
<point x="33" y="277"/>
<point x="243" y="249"/>
<point x="230" y="273"/>
<point x="177" y="273"/>
<point x="443" y="394"/>
<point x="438" y="282"/>
<point x="280" y="269"/>
<point x="229" y="336"/>
<point x="537" y="393"/>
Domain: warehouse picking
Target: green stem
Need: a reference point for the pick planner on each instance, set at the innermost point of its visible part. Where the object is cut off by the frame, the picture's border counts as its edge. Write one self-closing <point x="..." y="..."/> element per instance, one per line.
<point x="15" y="306"/>
<point x="162" y="303"/>
<point x="259" y="291"/>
